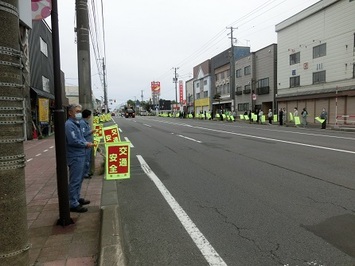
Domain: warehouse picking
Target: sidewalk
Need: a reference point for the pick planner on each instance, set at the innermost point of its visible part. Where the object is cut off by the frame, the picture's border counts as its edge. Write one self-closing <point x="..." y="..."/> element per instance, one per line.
<point x="76" y="244"/>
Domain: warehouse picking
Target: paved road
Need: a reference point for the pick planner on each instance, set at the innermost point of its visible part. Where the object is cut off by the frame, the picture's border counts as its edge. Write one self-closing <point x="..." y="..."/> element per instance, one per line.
<point x="237" y="194"/>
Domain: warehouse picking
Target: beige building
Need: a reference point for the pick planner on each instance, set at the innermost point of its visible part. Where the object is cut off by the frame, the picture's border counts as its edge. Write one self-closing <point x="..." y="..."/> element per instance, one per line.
<point x="256" y="81"/>
<point x="316" y="61"/>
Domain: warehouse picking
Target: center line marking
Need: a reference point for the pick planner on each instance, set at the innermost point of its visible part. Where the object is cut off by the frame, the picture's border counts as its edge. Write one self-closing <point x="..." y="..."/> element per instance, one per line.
<point x="29" y="160"/>
<point x="209" y="253"/>
<point x="45" y="150"/>
<point x="39" y="154"/>
<point x="181" y="136"/>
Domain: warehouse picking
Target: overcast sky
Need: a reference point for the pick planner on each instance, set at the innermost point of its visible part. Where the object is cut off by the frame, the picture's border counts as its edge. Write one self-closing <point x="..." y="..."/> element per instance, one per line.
<point x="146" y="39"/>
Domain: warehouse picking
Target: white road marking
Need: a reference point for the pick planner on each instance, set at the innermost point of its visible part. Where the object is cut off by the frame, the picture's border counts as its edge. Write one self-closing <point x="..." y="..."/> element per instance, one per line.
<point x="181" y="136"/>
<point x="129" y="142"/>
<point x="28" y="160"/>
<point x="45" y="150"/>
<point x="271" y="139"/>
<point x="120" y="130"/>
<point x="51" y="147"/>
<point x="278" y="140"/>
<point x="209" y="253"/>
<point x="147" y="125"/>
<point x="39" y="154"/>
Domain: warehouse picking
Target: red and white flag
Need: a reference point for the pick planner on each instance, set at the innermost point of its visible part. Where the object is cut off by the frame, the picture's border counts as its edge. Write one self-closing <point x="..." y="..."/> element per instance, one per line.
<point x="41" y="9"/>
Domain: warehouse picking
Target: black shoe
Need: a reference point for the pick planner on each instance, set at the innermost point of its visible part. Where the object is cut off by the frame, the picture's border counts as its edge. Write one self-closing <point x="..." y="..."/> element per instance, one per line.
<point x="83" y="201"/>
<point x="79" y="208"/>
<point x="87" y="176"/>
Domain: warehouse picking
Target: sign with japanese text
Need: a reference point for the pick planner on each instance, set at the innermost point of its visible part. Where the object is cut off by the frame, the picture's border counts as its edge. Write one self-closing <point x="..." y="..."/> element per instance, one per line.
<point x="181" y="91"/>
<point x="43" y="110"/>
<point x="96" y="120"/>
<point x="98" y="130"/>
<point x="111" y="134"/>
<point x="96" y="144"/>
<point x="118" y="161"/>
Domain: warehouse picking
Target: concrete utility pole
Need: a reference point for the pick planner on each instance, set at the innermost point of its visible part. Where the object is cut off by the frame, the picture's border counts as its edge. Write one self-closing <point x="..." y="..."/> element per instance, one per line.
<point x="105" y="86"/>
<point x="232" y="69"/>
<point x="141" y="95"/>
<point x="175" y="80"/>
<point x="83" y="47"/>
<point x="14" y="244"/>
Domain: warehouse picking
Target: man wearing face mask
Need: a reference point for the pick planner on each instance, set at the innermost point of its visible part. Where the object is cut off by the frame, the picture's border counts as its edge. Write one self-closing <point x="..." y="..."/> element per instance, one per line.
<point x="76" y="150"/>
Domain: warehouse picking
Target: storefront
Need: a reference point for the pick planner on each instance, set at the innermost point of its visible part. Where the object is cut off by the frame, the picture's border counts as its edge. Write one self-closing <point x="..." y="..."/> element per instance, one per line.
<point x="42" y="104"/>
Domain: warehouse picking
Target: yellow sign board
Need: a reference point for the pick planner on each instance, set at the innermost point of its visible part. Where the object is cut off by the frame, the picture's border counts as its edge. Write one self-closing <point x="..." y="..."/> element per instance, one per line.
<point x="43" y="110"/>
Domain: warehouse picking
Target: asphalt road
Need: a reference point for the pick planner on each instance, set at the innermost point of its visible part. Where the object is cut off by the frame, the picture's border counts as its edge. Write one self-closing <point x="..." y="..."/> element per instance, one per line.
<point x="219" y="193"/>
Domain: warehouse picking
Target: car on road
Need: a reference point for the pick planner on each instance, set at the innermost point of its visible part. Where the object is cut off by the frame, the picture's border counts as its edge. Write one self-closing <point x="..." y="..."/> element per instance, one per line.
<point x="130" y="113"/>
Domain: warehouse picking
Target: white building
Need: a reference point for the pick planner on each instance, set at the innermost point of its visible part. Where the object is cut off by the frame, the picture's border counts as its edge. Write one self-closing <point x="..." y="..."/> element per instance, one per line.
<point x="316" y="60"/>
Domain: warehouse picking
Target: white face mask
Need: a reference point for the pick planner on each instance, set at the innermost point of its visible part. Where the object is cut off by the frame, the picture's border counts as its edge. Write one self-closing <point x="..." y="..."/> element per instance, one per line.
<point x="78" y="116"/>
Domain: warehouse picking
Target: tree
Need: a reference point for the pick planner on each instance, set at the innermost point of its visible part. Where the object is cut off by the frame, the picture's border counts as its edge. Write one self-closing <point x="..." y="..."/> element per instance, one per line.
<point x="13" y="214"/>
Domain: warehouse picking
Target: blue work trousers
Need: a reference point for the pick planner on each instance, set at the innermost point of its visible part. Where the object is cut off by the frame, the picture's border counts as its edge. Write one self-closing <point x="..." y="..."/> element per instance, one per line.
<point x="87" y="162"/>
<point x="76" y="171"/>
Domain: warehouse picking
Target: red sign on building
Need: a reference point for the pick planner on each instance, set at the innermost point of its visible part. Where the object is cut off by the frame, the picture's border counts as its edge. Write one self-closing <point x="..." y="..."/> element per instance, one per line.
<point x="181" y="91"/>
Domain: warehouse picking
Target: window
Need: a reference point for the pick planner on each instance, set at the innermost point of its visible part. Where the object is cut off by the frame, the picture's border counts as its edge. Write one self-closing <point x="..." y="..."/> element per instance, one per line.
<point x="198" y="95"/>
<point x="247" y="70"/>
<point x="197" y="85"/>
<point x="238" y="73"/>
<point x="246" y="89"/>
<point x="43" y="46"/>
<point x="294" y="81"/>
<point x="243" y="106"/>
<point x="205" y="94"/>
<point x="320" y="50"/>
<point x="295" y="58"/>
<point x="205" y="82"/>
<point x="318" y="77"/>
<point x="45" y="84"/>
<point x="238" y="90"/>
<point x="263" y="83"/>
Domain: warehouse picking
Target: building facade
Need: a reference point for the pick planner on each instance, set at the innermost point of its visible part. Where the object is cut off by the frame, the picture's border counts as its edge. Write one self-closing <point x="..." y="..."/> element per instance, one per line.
<point x="202" y="87"/>
<point x="316" y="60"/>
<point x="256" y="80"/>
<point x="42" y="76"/>
<point x="190" y="98"/>
<point x="222" y="95"/>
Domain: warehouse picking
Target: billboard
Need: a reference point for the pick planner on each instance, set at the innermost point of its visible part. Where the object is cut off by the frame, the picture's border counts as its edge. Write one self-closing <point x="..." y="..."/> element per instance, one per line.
<point x="155" y="87"/>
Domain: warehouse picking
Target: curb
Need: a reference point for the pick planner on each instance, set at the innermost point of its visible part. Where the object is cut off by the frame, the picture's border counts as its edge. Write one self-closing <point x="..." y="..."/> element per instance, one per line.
<point x="111" y="252"/>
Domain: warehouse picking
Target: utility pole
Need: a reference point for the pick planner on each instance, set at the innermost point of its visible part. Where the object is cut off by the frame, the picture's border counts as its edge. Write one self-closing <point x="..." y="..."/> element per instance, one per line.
<point x="83" y="47"/>
<point x="59" y="125"/>
<point x="232" y="69"/>
<point x="141" y="95"/>
<point x="105" y="85"/>
<point x="175" y="80"/>
<point x="13" y="210"/>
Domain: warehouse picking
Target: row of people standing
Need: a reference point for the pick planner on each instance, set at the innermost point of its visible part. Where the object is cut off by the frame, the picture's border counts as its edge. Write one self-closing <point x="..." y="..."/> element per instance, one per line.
<point x="282" y="116"/>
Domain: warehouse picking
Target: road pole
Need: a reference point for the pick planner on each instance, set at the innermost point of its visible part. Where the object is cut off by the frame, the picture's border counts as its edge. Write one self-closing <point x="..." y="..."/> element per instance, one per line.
<point x="59" y="125"/>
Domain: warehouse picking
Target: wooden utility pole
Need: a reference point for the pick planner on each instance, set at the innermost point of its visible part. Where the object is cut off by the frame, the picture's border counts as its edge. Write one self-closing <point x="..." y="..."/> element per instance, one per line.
<point x="14" y="244"/>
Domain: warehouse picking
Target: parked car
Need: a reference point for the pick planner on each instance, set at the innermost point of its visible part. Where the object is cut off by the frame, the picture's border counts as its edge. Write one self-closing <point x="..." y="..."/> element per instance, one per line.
<point x="130" y="113"/>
